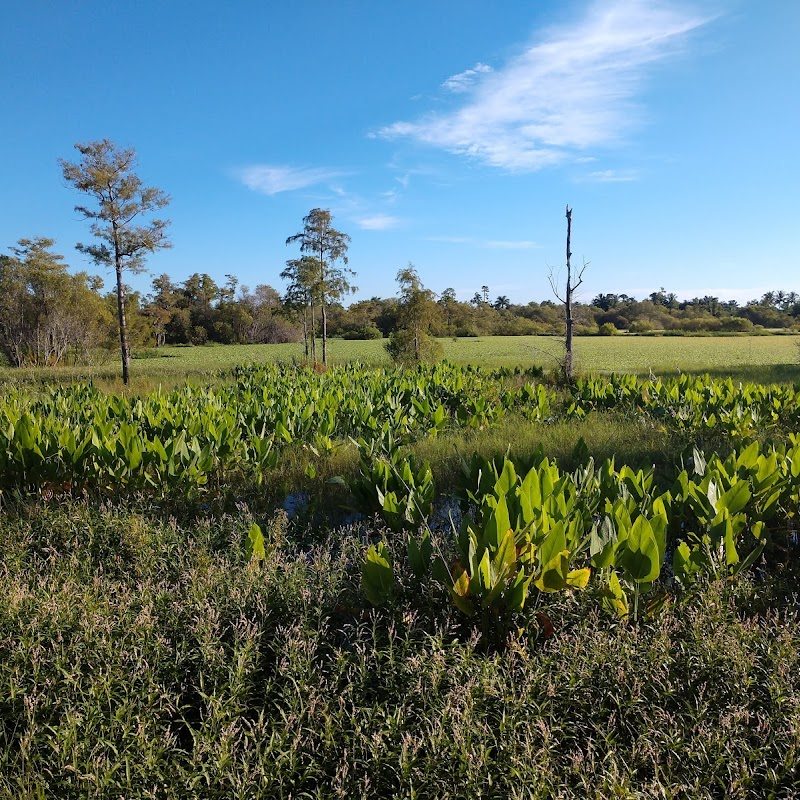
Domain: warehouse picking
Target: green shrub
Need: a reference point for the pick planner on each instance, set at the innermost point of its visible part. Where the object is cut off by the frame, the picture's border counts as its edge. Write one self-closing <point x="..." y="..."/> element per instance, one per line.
<point x="404" y="348"/>
<point x="641" y="326"/>
<point x="366" y="332"/>
<point x="737" y="324"/>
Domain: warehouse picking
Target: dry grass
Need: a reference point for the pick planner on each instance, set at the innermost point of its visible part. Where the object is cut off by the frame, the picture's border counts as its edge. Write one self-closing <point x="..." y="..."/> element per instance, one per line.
<point x="149" y="660"/>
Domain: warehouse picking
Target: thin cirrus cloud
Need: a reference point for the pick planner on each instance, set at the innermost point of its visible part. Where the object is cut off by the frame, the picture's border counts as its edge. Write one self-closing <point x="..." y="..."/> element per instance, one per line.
<point x="522" y="244"/>
<point x="463" y="80"/>
<point x="378" y="222"/>
<point x="574" y="88"/>
<point x="494" y="244"/>
<point x="612" y="176"/>
<point x="449" y="239"/>
<point x="272" y="179"/>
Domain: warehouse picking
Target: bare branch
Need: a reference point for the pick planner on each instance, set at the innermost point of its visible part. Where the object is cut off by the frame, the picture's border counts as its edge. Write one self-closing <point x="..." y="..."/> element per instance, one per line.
<point x="554" y="279"/>
<point x="579" y="280"/>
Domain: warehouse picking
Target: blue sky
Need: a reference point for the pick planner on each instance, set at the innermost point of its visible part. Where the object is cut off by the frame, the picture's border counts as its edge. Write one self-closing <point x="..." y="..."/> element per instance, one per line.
<point x="449" y="134"/>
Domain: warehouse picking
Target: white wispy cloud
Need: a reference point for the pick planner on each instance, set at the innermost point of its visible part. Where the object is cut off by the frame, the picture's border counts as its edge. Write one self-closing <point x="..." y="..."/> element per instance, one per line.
<point x="494" y="244"/>
<point x="378" y="222"/>
<point x="575" y="87"/>
<point x="523" y="244"/>
<point x="449" y="239"/>
<point x="463" y="80"/>
<point x="273" y="179"/>
<point x="612" y="176"/>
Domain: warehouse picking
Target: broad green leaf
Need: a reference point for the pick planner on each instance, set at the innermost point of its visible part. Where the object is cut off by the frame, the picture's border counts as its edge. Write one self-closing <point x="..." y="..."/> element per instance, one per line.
<point x="554" y="543"/>
<point x="639" y="531"/>
<point x="602" y="544"/>
<point x="377" y="575"/>
<point x="553" y="577"/>
<point x="507" y="480"/>
<point x="731" y="554"/>
<point x="459" y="591"/>
<point x="419" y="555"/>
<point x="748" y="458"/>
<point x="736" y="498"/>
<point x="530" y="494"/>
<point x="659" y="525"/>
<point x="641" y="559"/>
<point x="497" y="524"/>
<point x="614" y="597"/>
<point x="481" y="580"/>
<point x="685" y="563"/>
<point x="518" y="591"/>
<point x="506" y="556"/>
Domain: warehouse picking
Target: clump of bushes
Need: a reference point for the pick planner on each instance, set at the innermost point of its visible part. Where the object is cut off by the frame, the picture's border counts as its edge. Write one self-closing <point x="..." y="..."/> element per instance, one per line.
<point x="365" y="332"/>
<point x="641" y="326"/>
<point x="608" y="329"/>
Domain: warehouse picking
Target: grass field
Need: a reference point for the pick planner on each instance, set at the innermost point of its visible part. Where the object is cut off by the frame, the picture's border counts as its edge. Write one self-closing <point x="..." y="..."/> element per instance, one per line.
<point x="758" y="358"/>
<point x="593" y="354"/>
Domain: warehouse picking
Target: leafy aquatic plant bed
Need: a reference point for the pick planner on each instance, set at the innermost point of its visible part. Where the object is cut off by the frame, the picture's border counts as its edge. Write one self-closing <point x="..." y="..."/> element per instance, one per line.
<point x="591" y="630"/>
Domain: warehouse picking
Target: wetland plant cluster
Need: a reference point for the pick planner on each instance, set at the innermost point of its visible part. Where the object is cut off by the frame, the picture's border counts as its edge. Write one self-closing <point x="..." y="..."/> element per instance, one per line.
<point x="584" y="628"/>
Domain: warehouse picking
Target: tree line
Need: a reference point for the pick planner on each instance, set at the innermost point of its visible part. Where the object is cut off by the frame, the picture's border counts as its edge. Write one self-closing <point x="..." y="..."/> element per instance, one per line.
<point x="51" y="316"/>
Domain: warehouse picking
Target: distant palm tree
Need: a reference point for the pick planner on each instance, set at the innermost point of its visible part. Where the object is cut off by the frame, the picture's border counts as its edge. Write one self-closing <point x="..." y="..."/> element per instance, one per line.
<point x="502" y="302"/>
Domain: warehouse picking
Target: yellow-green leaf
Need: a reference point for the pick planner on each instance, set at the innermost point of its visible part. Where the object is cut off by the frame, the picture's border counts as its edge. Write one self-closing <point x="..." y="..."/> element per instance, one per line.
<point x="554" y="573"/>
<point x="255" y="543"/>
<point x="579" y="578"/>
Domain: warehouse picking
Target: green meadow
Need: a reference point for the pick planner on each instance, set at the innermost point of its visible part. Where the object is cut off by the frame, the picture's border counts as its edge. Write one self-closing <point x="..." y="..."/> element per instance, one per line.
<point x="761" y="358"/>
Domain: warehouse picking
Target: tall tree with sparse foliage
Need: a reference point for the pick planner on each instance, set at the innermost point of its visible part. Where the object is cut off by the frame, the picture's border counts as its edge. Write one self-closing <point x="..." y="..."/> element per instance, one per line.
<point x="105" y="172"/>
<point x="411" y="341"/>
<point x="328" y="247"/>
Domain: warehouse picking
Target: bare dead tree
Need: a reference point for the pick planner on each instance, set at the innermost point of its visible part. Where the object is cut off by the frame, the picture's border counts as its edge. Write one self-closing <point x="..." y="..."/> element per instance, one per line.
<point x="567" y="299"/>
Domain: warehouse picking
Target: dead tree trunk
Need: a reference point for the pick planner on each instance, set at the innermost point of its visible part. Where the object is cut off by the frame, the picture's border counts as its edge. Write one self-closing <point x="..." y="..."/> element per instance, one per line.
<point x="324" y="334"/>
<point x="568" y="365"/>
<point x="568" y="361"/>
<point x="305" y="330"/>
<point x="313" y="334"/>
<point x="123" y="327"/>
